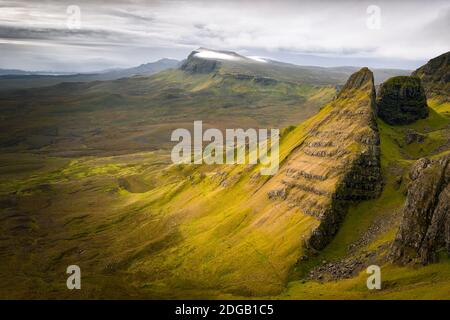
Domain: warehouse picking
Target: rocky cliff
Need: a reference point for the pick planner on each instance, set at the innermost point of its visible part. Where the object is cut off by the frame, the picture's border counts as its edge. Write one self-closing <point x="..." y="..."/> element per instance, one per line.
<point x="425" y="226"/>
<point x="195" y="64"/>
<point x="338" y="162"/>
<point x="402" y="100"/>
<point x="435" y="76"/>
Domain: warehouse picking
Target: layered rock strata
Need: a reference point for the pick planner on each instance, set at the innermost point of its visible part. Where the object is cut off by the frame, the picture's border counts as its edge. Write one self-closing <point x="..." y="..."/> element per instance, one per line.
<point x="338" y="162"/>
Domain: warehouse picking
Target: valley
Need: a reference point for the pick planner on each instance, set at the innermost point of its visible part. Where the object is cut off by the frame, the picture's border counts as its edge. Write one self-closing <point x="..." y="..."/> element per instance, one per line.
<point x="86" y="179"/>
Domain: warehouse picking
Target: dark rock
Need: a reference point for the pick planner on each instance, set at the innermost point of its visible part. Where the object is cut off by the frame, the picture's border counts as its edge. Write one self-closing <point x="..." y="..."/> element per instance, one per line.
<point x="342" y="269"/>
<point x="194" y="64"/>
<point x="425" y="226"/>
<point x="277" y="194"/>
<point x="265" y="81"/>
<point x="241" y="76"/>
<point x="402" y="100"/>
<point x="412" y="137"/>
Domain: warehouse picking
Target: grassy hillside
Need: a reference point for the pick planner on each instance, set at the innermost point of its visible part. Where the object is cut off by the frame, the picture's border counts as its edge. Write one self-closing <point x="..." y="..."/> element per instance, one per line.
<point x="198" y="216"/>
<point x="370" y="226"/>
<point x="140" y="227"/>
<point x="86" y="179"/>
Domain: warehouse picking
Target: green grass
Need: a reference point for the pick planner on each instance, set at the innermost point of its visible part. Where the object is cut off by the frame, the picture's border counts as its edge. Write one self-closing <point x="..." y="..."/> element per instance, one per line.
<point x="429" y="282"/>
<point x="180" y="231"/>
<point x="401" y="283"/>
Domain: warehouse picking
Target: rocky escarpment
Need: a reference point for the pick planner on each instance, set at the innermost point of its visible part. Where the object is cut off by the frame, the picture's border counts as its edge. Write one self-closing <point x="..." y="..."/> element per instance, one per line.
<point x="337" y="163"/>
<point x="435" y="76"/>
<point x="425" y="226"/>
<point x="402" y="100"/>
<point x="194" y="64"/>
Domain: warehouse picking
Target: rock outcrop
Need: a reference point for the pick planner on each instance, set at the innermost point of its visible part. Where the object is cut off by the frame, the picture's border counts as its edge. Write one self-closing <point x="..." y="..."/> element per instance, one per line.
<point x="337" y="163"/>
<point x="435" y="76"/>
<point x="413" y="136"/>
<point x="402" y="100"/>
<point x="425" y="226"/>
<point x="194" y="64"/>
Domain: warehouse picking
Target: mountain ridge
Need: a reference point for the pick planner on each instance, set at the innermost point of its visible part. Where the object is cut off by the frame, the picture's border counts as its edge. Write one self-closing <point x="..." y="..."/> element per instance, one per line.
<point x="309" y="232"/>
<point x="337" y="173"/>
<point x="24" y="79"/>
<point x="435" y="76"/>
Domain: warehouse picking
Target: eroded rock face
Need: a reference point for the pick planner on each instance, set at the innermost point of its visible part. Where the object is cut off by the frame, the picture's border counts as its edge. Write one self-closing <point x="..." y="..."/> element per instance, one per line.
<point x="425" y="226"/>
<point x="402" y="100"/>
<point x="338" y="162"/>
<point x="417" y="168"/>
<point x="356" y="81"/>
<point x="435" y="76"/>
<point x="194" y="64"/>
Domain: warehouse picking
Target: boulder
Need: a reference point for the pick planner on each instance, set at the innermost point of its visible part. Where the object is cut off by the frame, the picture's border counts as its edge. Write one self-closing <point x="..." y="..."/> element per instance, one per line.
<point x="414" y="137"/>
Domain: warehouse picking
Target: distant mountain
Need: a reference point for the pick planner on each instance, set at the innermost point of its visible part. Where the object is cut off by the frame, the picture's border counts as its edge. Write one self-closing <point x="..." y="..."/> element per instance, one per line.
<point x="143" y="69"/>
<point x="16" y="72"/>
<point x="228" y="63"/>
<point x="205" y="60"/>
<point x="200" y="61"/>
<point x="8" y="72"/>
<point x="18" y="79"/>
<point x="222" y="88"/>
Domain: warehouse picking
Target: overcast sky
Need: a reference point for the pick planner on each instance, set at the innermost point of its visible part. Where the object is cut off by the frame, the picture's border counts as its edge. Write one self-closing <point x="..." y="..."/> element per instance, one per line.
<point x="43" y="36"/>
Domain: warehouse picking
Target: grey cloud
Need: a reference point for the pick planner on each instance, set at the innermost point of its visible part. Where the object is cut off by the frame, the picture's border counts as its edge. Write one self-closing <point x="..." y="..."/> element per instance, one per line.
<point x="131" y="16"/>
<point x="439" y="28"/>
<point x="49" y="33"/>
<point x="320" y="32"/>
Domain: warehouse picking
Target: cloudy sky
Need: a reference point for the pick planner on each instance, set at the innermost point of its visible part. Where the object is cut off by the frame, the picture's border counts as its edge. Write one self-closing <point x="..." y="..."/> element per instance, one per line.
<point x="46" y="35"/>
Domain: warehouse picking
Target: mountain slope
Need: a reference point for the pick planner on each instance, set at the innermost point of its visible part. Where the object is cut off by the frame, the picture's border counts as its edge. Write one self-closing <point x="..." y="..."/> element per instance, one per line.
<point x="370" y="228"/>
<point x="138" y="114"/>
<point x="221" y="218"/>
<point x="19" y="79"/>
<point x="142" y="70"/>
<point x="435" y="76"/>
<point x="338" y="161"/>
<point x="388" y="229"/>
<point x="230" y="63"/>
<point x="227" y="63"/>
<point x="140" y="227"/>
